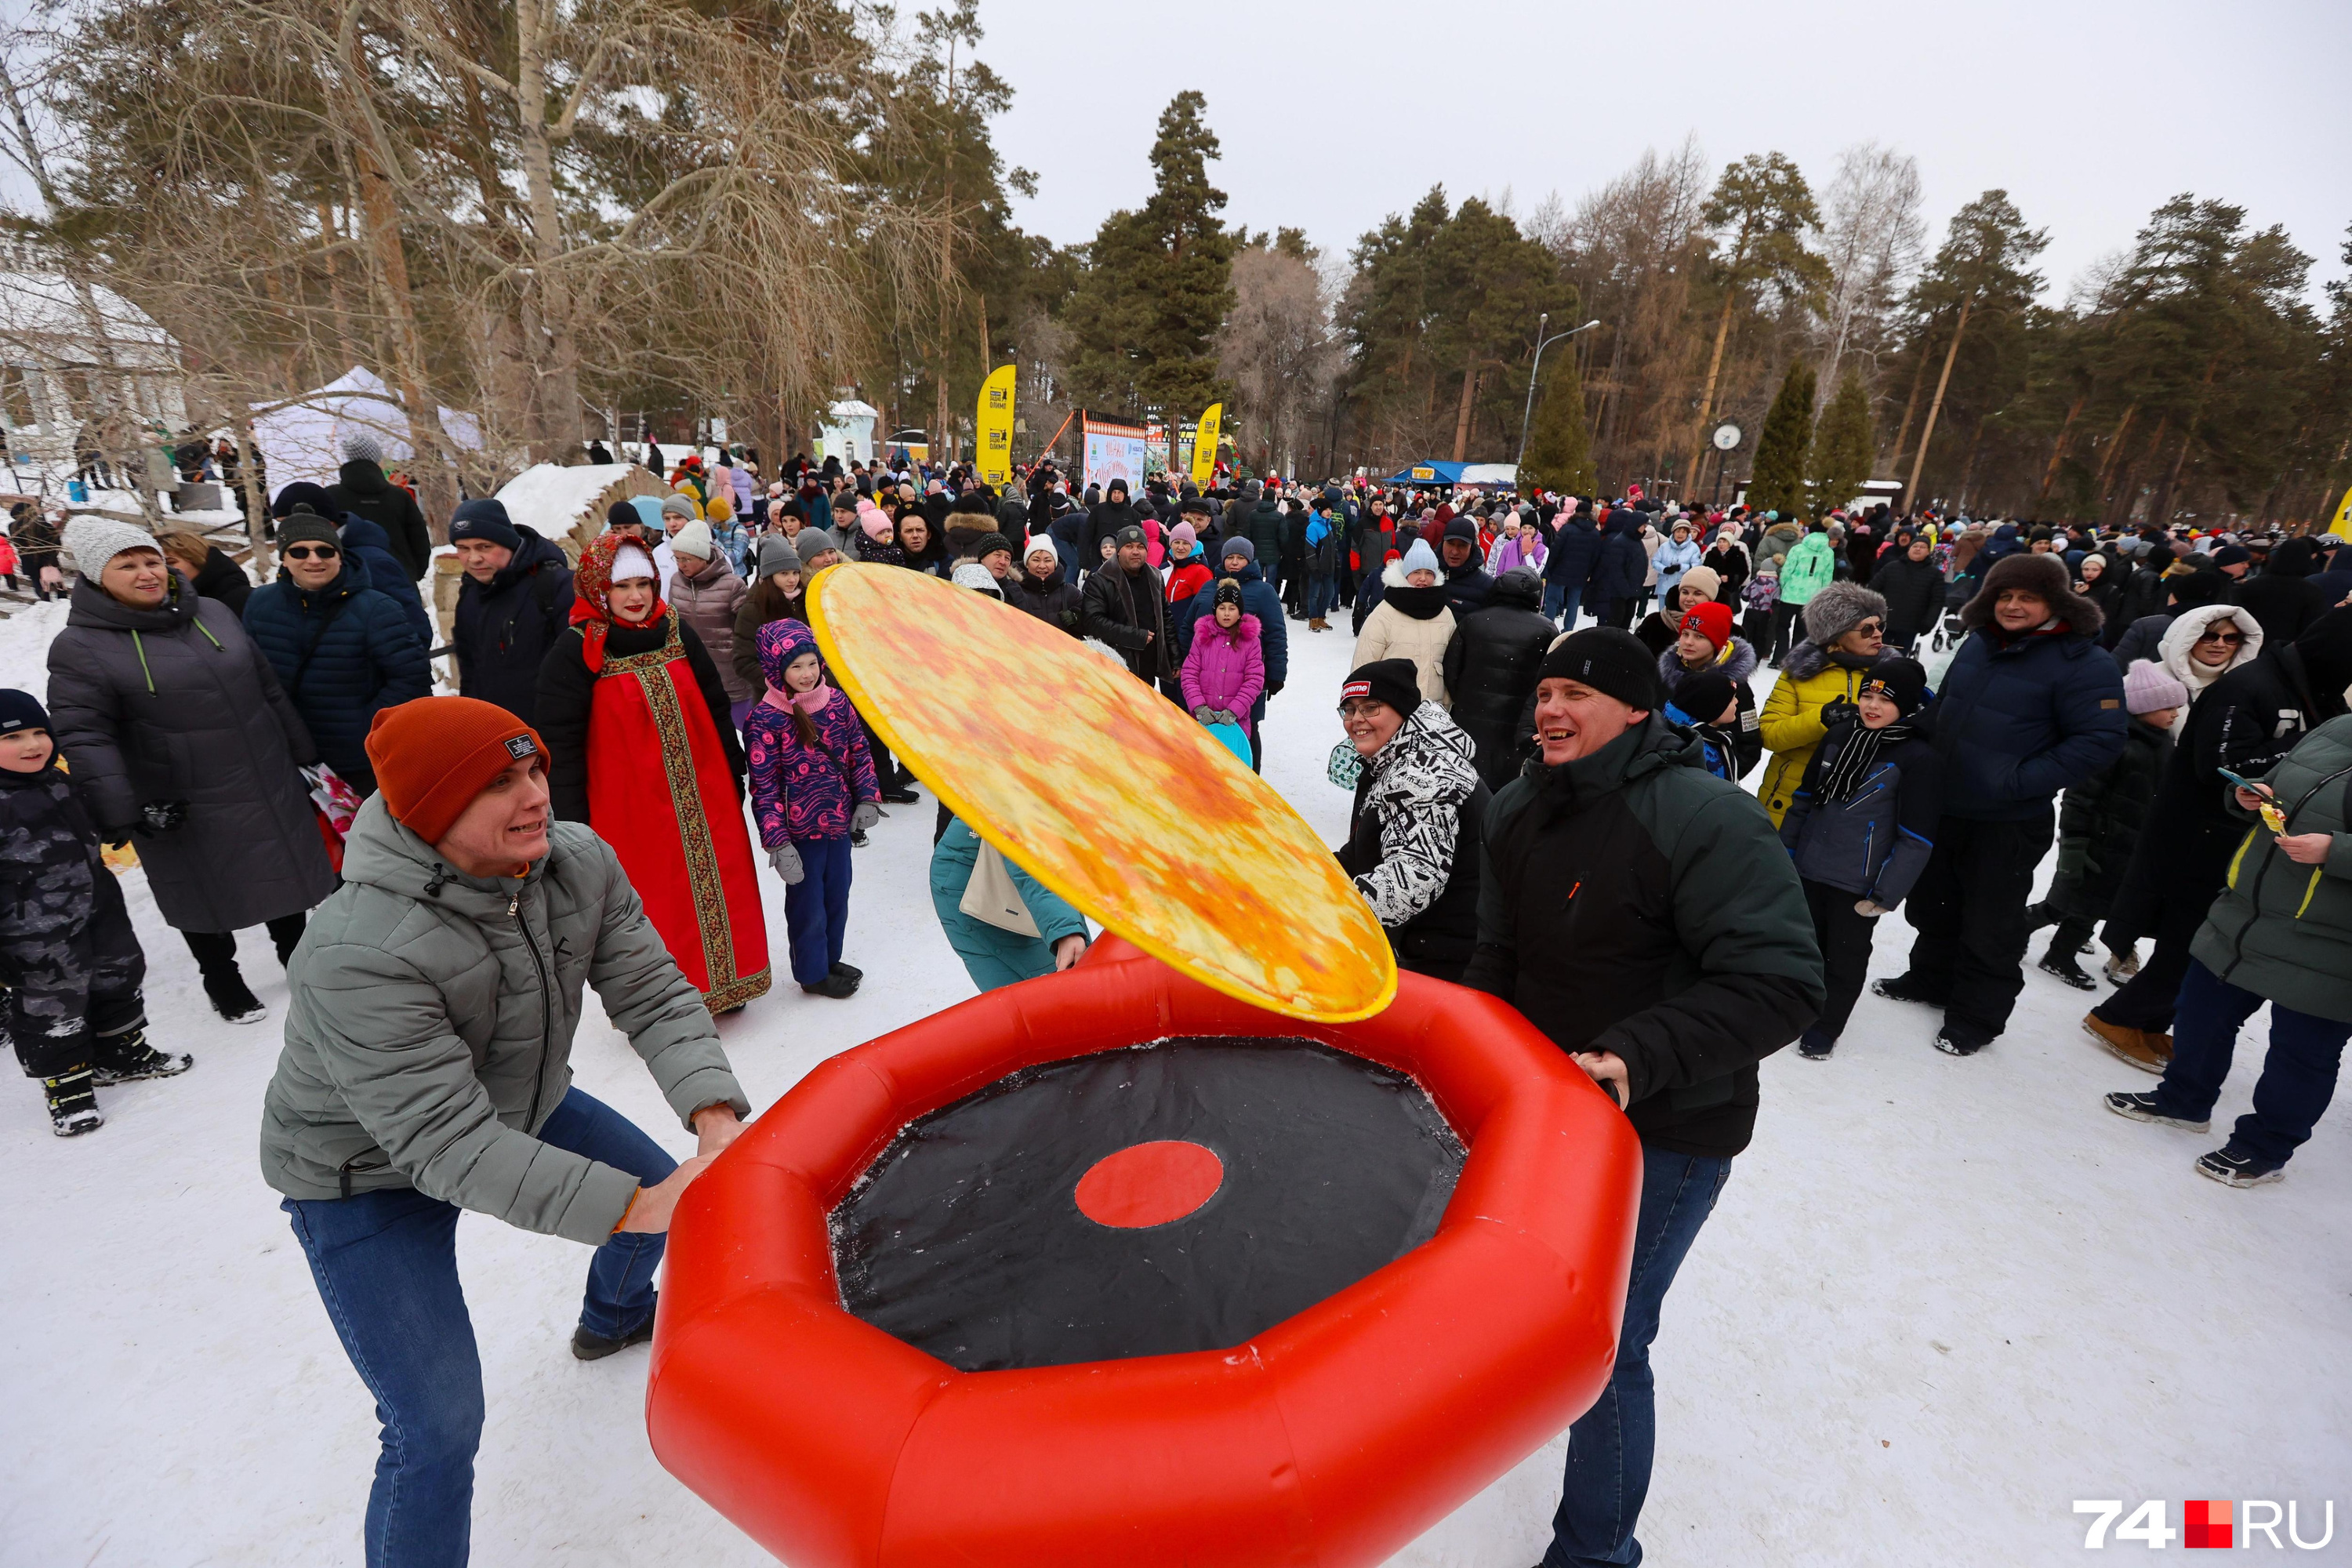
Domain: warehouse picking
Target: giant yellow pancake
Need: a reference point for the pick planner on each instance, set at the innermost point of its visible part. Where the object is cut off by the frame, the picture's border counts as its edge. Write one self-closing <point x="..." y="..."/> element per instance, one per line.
<point x="1104" y="791"/>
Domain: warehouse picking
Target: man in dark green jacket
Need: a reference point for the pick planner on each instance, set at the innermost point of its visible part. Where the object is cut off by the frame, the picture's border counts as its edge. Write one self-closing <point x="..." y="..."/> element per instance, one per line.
<point x="1642" y="913"/>
<point x="2281" y="932"/>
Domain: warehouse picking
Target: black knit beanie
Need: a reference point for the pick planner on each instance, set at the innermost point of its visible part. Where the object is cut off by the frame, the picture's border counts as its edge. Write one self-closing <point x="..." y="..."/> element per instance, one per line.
<point x="1394" y="681"/>
<point x="1610" y="661"/>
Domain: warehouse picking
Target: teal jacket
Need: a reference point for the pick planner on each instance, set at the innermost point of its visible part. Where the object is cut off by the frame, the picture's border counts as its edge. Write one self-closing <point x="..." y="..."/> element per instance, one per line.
<point x="1810" y="567"/>
<point x="2282" y="930"/>
<point x="952" y="863"/>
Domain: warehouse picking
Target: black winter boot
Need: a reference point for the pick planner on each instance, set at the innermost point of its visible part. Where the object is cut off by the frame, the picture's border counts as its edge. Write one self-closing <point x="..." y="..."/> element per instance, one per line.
<point x="129" y="1059"/>
<point x="2063" y="966"/>
<point x="233" y="999"/>
<point x="73" y="1103"/>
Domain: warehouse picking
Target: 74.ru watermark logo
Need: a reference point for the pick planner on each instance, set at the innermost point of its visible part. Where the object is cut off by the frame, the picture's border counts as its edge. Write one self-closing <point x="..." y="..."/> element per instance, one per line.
<point x="2205" y="1522"/>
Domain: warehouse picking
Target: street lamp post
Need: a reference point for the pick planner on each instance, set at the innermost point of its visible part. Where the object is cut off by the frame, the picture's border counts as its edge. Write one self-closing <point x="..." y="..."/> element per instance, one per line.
<point x="1527" y="417"/>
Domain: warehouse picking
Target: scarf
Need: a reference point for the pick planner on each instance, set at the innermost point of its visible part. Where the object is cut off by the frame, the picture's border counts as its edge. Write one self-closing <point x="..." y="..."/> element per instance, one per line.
<point x="813" y="701"/>
<point x="1857" y="759"/>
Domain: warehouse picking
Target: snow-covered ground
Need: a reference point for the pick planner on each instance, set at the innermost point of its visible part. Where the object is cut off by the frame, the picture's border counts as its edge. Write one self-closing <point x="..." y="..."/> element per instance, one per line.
<point x="1940" y="1301"/>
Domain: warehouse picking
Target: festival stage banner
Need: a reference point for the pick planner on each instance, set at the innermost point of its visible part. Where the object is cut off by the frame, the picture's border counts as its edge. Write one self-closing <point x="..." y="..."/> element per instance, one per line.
<point x="1113" y="451"/>
<point x="994" y="424"/>
<point x="1204" y="444"/>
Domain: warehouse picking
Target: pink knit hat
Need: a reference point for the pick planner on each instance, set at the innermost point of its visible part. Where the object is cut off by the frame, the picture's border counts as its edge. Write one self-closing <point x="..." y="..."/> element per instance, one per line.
<point x="2148" y="690"/>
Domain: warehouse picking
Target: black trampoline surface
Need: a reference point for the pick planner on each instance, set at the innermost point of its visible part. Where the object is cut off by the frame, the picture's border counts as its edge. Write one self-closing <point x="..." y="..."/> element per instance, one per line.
<point x="966" y="1239"/>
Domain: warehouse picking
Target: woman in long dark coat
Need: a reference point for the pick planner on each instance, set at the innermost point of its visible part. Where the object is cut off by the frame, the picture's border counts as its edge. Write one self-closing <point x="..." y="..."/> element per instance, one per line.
<point x="178" y="733"/>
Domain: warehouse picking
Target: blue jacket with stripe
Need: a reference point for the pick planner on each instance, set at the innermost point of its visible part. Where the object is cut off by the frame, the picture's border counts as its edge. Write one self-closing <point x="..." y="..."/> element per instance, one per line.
<point x="1874" y="842"/>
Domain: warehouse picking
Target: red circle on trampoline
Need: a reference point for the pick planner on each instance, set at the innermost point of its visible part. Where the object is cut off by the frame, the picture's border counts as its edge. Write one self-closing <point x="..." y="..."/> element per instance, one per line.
<point x="1149" y="1183"/>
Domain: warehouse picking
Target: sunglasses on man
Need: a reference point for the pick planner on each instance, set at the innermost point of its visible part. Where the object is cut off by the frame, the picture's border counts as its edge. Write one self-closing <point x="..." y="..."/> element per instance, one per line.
<point x="309" y="551"/>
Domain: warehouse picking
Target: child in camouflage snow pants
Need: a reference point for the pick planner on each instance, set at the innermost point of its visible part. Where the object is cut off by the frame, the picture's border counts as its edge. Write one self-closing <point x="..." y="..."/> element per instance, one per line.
<point x="67" y="954"/>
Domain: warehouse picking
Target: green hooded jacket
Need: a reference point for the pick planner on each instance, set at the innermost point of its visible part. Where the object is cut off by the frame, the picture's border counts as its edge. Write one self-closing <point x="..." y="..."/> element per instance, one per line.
<point x="1810" y="567"/>
<point x="2281" y="929"/>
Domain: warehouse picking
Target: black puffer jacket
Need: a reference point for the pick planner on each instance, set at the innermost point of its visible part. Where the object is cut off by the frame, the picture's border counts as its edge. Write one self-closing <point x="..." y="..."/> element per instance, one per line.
<point x="2247" y="721"/>
<point x="1053" y="601"/>
<point x="1130" y="614"/>
<point x="2099" y="824"/>
<point x="223" y="579"/>
<point x="505" y="627"/>
<point x="1490" y="669"/>
<point x="177" y="703"/>
<point x="343" y="653"/>
<point x="361" y="488"/>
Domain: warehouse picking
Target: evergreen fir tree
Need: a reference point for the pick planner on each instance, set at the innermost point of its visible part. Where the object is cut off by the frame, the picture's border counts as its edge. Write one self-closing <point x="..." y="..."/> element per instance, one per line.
<point x="1159" y="282"/>
<point x="1842" y="445"/>
<point x="1777" y="482"/>
<point x="1559" y="448"/>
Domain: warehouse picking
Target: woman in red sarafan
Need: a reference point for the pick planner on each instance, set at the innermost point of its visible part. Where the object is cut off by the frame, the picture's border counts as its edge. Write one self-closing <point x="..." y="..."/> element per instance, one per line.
<point x="638" y="731"/>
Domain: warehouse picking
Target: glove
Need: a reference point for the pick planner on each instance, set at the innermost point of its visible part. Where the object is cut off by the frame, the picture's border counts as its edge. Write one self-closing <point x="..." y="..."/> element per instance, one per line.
<point x="1838" y="712"/>
<point x="866" y="814"/>
<point x="1205" y="714"/>
<point x="787" y="862"/>
<point x="1273" y="690"/>
<point x="158" y="817"/>
<point x="1227" y="716"/>
<point x="1870" y="910"/>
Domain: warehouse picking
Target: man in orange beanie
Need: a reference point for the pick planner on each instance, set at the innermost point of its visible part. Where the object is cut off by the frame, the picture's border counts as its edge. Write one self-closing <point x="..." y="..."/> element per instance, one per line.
<point x="426" y="1071"/>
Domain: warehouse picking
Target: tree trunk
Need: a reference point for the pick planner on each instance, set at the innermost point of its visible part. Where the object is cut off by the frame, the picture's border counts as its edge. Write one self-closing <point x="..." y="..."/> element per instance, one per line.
<point x="390" y="275"/>
<point x="1714" y="365"/>
<point x="1462" y="414"/>
<point x="2058" y="452"/>
<point x="1935" y="405"/>
<point x="557" y="351"/>
<point x="2114" y="450"/>
<point x="256" y="500"/>
<point x="2162" y="507"/>
<point x="1910" y="406"/>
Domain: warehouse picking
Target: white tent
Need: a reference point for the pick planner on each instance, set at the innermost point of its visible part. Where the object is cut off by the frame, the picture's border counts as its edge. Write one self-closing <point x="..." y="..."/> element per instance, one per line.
<point x="302" y="439"/>
<point x="1503" y="474"/>
<point x="847" y="431"/>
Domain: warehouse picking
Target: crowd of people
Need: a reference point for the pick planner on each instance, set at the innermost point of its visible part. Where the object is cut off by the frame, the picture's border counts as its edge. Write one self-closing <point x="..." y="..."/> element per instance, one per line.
<point x="1550" y="721"/>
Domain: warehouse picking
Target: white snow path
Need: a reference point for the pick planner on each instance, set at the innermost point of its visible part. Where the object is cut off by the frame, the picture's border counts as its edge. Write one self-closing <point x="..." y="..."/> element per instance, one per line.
<point x="1939" y="1302"/>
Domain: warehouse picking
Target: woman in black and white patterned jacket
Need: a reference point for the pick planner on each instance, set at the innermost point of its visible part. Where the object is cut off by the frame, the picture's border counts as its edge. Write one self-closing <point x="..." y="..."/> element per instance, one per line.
<point x="1412" y="841"/>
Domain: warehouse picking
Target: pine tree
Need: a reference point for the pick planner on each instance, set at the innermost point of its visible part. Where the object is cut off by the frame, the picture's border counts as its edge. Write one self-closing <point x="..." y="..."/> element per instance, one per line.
<point x="1842" y="445"/>
<point x="1559" y="448"/>
<point x="1777" y="482"/>
<point x="1160" y="281"/>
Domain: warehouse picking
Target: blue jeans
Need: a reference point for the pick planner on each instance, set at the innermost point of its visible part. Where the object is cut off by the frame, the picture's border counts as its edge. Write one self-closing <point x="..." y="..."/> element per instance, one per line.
<point x="1609" y="1448"/>
<point x="1561" y="601"/>
<point x="2298" y="1076"/>
<point x="386" y="1268"/>
<point x="1322" y="588"/>
<point x="816" y="908"/>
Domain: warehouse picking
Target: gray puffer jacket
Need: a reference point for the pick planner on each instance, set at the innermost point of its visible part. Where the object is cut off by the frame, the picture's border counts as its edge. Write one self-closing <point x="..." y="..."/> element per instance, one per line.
<point x="430" y="1036"/>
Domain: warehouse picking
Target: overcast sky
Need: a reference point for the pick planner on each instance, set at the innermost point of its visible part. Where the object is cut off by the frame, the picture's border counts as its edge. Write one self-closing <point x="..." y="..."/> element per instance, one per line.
<point x="2089" y="112"/>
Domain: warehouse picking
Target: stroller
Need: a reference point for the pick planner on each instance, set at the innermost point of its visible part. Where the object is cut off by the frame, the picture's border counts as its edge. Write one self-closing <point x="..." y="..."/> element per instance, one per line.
<point x="1948" y="633"/>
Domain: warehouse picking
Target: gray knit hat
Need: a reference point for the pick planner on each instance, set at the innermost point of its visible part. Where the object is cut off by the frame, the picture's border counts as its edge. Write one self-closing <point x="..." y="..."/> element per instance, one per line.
<point x="362" y="446"/>
<point x="678" y="505"/>
<point x="1837" y="609"/>
<point x="94" y="541"/>
<point x="304" y="526"/>
<point x="777" y="554"/>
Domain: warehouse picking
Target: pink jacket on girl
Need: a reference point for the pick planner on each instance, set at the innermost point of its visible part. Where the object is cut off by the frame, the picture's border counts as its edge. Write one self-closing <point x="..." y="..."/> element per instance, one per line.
<point x="1224" y="668"/>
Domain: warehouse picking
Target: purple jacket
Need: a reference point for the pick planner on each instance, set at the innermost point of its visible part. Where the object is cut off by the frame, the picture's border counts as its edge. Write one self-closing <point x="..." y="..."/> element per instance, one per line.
<point x="1224" y="668"/>
<point x="1526" y="550"/>
<point x="800" y="791"/>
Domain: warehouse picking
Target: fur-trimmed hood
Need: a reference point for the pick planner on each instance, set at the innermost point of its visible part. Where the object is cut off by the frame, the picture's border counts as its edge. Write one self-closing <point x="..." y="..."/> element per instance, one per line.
<point x="1736" y="658"/>
<point x="2043" y="575"/>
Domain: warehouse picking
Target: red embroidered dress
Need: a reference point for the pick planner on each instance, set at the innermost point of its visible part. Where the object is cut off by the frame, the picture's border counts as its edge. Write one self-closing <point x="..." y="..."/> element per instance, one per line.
<point x="661" y="789"/>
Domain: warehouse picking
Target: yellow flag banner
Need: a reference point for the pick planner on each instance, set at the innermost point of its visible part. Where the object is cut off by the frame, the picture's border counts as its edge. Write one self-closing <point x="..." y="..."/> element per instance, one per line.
<point x="994" y="459"/>
<point x="1204" y="444"/>
<point x="2342" y="526"/>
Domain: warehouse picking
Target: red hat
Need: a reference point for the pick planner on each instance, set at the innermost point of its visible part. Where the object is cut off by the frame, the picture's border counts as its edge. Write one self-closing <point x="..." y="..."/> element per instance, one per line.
<point x="433" y="755"/>
<point x="1710" y="620"/>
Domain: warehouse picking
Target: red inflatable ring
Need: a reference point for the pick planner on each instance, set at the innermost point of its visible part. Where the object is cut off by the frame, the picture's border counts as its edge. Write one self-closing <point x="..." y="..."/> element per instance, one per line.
<point x="1328" y="1440"/>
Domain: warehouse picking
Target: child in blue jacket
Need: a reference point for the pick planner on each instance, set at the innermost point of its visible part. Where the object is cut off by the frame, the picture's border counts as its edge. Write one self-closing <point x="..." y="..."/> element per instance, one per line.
<point x="1861" y="827"/>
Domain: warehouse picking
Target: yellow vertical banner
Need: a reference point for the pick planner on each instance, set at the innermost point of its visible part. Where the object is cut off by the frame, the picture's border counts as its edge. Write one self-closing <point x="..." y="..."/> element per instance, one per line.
<point x="1204" y="444"/>
<point x="2342" y="525"/>
<point x="995" y="458"/>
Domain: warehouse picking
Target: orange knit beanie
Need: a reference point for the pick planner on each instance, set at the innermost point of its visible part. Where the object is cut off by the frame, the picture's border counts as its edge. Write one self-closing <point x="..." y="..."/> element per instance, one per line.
<point x="435" y="754"/>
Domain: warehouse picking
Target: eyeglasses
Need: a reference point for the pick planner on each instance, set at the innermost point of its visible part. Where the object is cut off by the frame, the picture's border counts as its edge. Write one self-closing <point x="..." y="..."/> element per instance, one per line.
<point x="1359" y="708"/>
<point x="2226" y="639"/>
<point x="305" y="551"/>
